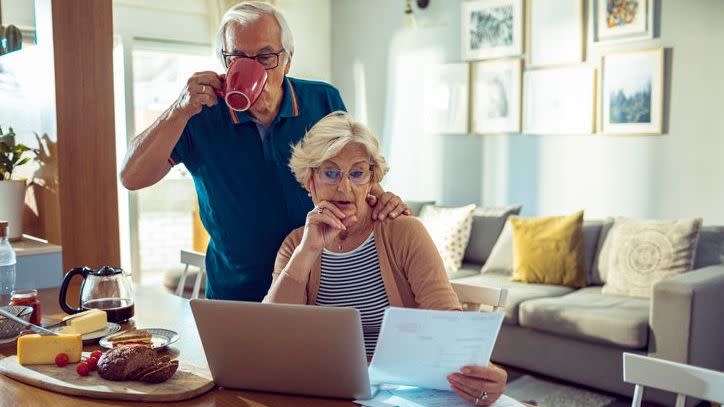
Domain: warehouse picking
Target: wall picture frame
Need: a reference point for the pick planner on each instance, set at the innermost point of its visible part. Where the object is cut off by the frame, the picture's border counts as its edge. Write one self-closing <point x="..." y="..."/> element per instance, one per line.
<point x="622" y="20"/>
<point x="632" y="92"/>
<point x="446" y="100"/>
<point x="491" y="29"/>
<point x="554" y="32"/>
<point x="559" y="101"/>
<point x="496" y="93"/>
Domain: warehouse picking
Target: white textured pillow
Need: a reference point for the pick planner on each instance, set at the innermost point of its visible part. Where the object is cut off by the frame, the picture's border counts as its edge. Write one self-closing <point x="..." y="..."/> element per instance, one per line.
<point x="501" y="256"/>
<point x="639" y="253"/>
<point x="450" y="230"/>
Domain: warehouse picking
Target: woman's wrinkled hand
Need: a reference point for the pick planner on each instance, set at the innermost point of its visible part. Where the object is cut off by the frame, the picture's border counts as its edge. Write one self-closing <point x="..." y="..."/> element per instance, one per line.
<point x="480" y="385"/>
<point x="324" y="222"/>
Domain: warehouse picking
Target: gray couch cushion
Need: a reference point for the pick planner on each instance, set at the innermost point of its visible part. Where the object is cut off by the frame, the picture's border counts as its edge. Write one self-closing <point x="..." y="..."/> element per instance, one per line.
<point x="487" y="225"/>
<point x="466" y="270"/>
<point x="710" y="248"/>
<point x="587" y="314"/>
<point x="517" y="292"/>
<point x="597" y="275"/>
<point x="591" y="233"/>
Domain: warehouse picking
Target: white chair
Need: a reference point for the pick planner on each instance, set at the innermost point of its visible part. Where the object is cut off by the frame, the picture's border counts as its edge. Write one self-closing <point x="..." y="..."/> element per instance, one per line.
<point x="684" y="380"/>
<point x="472" y="297"/>
<point x="196" y="259"/>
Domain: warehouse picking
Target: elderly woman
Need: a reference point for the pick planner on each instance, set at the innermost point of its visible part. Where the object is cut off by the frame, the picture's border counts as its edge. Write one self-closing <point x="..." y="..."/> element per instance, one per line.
<point x="342" y="258"/>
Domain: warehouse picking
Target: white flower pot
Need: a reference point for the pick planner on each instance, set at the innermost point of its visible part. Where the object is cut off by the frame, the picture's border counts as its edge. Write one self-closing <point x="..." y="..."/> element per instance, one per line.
<point x="12" y="202"/>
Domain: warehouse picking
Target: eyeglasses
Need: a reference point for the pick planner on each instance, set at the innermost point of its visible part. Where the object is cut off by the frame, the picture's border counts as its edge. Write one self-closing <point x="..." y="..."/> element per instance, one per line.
<point x="269" y="60"/>
<point x="333" y="175"/>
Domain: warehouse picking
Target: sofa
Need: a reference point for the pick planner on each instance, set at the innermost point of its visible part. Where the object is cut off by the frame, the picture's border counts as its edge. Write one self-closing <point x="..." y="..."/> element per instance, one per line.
<point x="579" y="335"/>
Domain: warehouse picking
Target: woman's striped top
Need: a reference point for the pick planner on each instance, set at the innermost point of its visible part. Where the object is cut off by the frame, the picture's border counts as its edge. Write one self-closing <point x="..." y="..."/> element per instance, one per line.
<point x="353" y="279"/>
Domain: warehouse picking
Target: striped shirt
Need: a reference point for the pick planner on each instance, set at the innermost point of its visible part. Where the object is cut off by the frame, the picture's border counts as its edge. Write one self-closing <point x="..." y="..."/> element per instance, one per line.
<point x="353" y="279"/>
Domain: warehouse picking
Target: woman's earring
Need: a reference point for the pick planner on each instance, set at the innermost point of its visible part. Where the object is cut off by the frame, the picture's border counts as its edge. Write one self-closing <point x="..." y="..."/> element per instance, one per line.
<point x="309" y="194"/>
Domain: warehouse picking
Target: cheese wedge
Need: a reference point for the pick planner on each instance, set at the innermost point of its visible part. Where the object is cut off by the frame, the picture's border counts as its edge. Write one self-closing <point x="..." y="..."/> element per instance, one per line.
<point x="86" y="321"/>
<point x="42" y="349"/>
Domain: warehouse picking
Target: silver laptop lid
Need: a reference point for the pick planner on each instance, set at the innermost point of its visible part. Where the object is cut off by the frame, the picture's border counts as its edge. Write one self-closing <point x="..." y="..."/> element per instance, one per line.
<point x="283" y="348"/>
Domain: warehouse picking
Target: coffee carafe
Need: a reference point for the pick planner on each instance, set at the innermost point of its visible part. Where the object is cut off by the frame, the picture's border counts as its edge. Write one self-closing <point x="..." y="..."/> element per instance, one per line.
<point x="108" y="289"/>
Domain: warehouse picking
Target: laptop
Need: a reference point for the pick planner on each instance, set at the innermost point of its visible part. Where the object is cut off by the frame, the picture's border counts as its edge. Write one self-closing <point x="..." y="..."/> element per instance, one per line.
<point x="282" y="348"/>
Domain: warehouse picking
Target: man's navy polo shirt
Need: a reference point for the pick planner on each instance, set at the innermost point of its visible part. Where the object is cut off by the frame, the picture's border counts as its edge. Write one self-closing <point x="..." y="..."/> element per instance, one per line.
<point x="248" y="198"/>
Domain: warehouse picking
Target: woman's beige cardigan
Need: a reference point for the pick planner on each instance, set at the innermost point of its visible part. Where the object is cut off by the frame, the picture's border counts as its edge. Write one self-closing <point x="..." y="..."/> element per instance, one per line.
<point x="411" y="267"/>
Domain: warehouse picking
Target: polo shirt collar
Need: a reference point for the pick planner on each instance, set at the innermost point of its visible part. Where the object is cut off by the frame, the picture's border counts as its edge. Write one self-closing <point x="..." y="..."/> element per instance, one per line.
<point x="288" y="108"/>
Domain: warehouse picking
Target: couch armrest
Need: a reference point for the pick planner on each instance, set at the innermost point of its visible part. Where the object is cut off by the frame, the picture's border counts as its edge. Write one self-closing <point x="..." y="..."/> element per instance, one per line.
<point x="685" y="318"/>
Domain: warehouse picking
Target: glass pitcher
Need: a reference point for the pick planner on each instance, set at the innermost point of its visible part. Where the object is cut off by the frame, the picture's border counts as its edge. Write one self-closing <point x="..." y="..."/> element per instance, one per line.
<point x="108" y="289"/>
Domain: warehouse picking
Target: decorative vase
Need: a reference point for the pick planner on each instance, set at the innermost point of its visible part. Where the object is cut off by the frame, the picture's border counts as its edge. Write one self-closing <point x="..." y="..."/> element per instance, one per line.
<point x="12" y="202"/>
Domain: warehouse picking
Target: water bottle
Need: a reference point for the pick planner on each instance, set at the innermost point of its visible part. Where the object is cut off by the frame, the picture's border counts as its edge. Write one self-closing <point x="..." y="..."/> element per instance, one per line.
<point x="7" y="265"/>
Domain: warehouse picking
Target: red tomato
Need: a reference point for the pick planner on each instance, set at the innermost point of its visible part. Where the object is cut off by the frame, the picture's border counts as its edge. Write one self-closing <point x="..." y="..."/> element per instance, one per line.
<point x="92" y="363"/>
<point x="96" y="354"/>
<point x="83" y="369"/>
<point x="61" y="359"/>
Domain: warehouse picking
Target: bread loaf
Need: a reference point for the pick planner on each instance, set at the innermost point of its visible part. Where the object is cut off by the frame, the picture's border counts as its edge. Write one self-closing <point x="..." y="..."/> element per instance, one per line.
<point x="136" y="362"/>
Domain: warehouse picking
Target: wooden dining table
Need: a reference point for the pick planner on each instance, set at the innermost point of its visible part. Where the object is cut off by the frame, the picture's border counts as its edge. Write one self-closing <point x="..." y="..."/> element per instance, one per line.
<point x="154" y="308"/>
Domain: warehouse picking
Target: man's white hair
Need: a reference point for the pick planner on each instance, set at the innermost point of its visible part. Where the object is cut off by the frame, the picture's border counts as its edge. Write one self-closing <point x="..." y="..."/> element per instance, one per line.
<point x="246" y="12"/>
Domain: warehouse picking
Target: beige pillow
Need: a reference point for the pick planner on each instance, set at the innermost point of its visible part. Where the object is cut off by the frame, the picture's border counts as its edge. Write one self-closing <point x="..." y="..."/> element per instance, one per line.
<point x="639" y="253"/>
<point x="450" y="230"/>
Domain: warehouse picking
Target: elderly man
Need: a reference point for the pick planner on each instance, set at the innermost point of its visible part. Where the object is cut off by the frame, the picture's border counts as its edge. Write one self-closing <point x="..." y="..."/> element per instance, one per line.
<point x="248" y="197"/>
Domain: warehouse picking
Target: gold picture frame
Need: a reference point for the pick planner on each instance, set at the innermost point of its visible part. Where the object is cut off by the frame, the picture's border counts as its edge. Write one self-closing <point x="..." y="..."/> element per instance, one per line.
<point x="632" y="91"/>
<point x="496" y="94"/>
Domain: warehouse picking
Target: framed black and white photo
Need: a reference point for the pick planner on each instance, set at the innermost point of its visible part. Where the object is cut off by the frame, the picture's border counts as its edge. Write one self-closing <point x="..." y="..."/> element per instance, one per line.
<point x="492" y="29"/>
<point x="632" y="92"/>
<point x="622" y="20"/>
<point x="495" y="99"/>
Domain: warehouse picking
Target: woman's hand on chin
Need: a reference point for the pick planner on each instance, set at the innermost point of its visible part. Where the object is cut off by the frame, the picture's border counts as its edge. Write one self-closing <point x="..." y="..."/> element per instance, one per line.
<point x="480" y="385"/>
<point x="324" y="222"/>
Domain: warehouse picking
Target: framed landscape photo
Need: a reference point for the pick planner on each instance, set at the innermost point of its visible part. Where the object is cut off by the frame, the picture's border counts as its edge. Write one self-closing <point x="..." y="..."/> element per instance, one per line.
<point x="559" y="101"/>
<point x="632" y="92"/>
<point x="554" y="32"/>
<point x="495" y="99"/>
<point x="622" y="20"/>
<point x="491" y="29"/>
<point x="446" y="89"/>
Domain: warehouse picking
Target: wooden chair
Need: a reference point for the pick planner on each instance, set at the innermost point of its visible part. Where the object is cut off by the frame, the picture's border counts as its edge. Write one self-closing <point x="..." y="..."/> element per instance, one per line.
<point x="196" y="259"/>
<point x="477" y="298"/>
<point x="684" y="380"/>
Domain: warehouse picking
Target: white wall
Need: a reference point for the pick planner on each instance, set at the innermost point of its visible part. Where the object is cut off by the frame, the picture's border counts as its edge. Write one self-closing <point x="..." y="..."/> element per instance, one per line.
<point x="674" y="175"/>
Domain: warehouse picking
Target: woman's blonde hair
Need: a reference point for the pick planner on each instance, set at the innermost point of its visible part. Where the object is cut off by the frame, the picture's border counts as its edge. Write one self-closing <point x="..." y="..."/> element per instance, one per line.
<point x="327" y="138"/>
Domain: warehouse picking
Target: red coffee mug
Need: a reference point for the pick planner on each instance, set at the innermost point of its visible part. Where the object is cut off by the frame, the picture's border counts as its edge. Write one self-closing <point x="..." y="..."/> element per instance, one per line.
<point x="242" y="84"/>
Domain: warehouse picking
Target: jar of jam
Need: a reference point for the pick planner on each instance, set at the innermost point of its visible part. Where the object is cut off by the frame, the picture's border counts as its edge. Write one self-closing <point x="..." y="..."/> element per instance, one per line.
<point x="28" y="298"/>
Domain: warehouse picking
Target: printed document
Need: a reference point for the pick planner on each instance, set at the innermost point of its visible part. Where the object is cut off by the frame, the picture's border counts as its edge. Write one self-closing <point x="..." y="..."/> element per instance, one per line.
<point x="417" y="397"/>
<point x="422" y="347"/>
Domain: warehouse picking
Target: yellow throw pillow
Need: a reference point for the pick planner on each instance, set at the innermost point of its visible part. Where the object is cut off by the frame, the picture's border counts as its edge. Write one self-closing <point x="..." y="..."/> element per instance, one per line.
<point x="549" y="250"/>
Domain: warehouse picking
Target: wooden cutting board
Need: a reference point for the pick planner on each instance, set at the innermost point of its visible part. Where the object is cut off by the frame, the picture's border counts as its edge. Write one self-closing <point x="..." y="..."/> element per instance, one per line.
<point x="189" y="381"/>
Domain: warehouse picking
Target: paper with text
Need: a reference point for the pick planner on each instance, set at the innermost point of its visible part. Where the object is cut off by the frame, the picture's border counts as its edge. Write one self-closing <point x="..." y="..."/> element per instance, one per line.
<point x="421" y="347"/>
<point x="417" y="397"/>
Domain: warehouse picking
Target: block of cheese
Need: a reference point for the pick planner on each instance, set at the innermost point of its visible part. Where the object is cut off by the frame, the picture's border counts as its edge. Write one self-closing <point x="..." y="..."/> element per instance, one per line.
<point x="41" y="349"/>
<point x="86" y="321"/>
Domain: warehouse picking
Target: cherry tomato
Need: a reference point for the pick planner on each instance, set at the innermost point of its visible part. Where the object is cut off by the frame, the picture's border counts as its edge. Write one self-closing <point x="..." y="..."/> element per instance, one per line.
<point x="96" y="354"/>
<point x="92" y="363"/>
<point x="83" y="369"/>
<point x="61" y="359"/>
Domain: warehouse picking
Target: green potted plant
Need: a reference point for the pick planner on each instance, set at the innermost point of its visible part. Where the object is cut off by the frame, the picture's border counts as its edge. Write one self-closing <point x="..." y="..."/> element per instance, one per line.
<point x="12" y="191"/>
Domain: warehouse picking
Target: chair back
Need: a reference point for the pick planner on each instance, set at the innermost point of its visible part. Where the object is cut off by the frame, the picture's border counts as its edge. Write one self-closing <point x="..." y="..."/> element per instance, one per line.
<point x="195" y="259"/>
<point x="683" y="380"/>
<point x="473" y="297"/>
